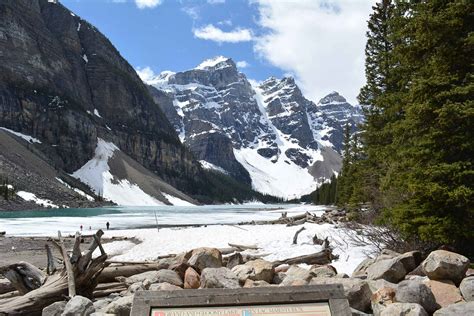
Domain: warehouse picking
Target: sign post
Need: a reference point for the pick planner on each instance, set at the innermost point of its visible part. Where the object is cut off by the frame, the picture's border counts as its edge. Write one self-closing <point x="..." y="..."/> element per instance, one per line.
<point x="309" y="300"/>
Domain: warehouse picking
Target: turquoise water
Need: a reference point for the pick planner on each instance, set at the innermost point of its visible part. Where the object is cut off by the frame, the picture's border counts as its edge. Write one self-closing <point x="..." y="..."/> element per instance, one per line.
<point x="48" y="222"/>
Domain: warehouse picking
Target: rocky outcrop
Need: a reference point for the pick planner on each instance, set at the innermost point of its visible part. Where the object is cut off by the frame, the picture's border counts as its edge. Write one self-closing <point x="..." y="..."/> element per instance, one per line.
<point x="445" y="265"/>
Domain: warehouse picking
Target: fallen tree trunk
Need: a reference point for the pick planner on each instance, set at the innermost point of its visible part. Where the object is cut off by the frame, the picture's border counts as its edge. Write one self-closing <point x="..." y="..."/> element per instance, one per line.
<point x="82" y="274"/>
<point x="323" y="257"/>
<point x="104" y="289"/>
<point x="23" y="276"/>
<point x="6" y="286"/>
<point x="109" y="273"/>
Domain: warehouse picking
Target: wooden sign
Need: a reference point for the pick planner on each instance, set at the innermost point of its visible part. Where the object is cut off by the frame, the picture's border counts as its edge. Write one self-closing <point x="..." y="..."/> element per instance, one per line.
<point x="310" y="300"/>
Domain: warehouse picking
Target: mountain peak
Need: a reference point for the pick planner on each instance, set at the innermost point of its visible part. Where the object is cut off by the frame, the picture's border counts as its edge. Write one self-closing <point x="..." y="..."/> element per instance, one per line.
<point x="333" y="97"/>
<point x="216" y="62"/>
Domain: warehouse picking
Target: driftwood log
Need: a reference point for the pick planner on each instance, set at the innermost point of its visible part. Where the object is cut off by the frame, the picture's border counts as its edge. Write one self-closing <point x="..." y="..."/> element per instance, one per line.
<point x="295" y="237"/>
<point x="78" y="275"/>
<point x="323" y="257"/>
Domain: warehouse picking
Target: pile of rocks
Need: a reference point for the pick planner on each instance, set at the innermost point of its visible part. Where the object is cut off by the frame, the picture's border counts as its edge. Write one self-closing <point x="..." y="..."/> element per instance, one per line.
<point x="390" y="284"/>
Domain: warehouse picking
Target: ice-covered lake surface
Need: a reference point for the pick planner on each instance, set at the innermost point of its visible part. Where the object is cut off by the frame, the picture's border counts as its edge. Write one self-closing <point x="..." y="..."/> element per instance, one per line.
<point x="48" y="222"/>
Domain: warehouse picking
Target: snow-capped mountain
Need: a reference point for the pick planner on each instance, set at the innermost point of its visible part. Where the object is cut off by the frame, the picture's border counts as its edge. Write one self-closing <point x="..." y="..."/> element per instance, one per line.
<point x="265" y="134"/>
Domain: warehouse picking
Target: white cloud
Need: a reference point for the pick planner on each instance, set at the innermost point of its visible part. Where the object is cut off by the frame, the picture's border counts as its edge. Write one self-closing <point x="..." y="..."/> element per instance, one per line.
<point x="146" y="73"/>
<point x="225" y="22"/>
<point x="143" y="4"/>
<point x="320" y="41"/>
<point x="242" y="64"/>
<point x="215" y="1"/>
<point x="212" y="33"/>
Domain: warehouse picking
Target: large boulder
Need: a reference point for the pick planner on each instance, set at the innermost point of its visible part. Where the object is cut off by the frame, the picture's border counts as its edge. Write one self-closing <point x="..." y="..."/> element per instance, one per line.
<point x="219" y="278"/>
<point x="404" y="309"/>
<point x="382" y="298"/>
<point x="256" y="270"/>
<point x="202" y="258"/>
<point x="55" y="309"/>
<point x="357" y="291"/>
<point x="410" y="260"/>
<point x="459" y="309"/>
<point x="415" y="291"/>
<point x="296" y="276"/>
<point x="445" y="292"/>
<point x="445" y="265"/>
<point x="361" y="270"/>
<point x="160" y="276"/>
<point x="234" y="260"/>
<point x="78" y="306"/>
<point x="121" y="306"/>
<point x="376" y="285"/>
<point x="391" y="270"/>
<point x="192" y="280"/>
<point x="251" y="283"/>
<point x="326" y="271"/>
<point x="467" y="288"/>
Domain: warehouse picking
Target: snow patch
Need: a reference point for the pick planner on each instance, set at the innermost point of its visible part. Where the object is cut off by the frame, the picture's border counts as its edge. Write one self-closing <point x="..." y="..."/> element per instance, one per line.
<point x="176" y="201"/>
<point x="28" y="196"/>
<point x="78" y="191"/>
<point x="211" y="166"/>
<point x="96" y="113"/>
<point x="208" y="63"/>
<point x="85" y="58"/>
<point x="96" y="174"/>
<point x="28" y="138"/>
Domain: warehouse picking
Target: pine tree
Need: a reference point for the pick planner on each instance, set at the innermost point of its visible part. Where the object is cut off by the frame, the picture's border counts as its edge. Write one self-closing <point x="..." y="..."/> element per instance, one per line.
<point x="432" y="174"/>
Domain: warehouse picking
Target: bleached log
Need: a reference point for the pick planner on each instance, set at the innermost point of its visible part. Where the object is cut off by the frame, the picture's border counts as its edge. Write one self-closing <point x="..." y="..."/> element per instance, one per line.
<point x="323" y="257"/>
<point x="244" y="247"/>
<point x="51" y="265"/>
<point x="6" y="286"/>
<point x="111" y="272"/>
<point x="23" y="276"/>
<point x="295" y="237"/>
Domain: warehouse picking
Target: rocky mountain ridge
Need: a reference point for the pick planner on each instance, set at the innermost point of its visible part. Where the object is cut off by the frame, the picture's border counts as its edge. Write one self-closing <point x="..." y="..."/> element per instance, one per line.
<point x="266" y="134"/>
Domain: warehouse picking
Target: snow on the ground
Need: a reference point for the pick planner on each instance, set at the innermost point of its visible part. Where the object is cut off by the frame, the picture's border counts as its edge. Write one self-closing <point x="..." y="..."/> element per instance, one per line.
<point x="210" y="166"/>
<point x="78" y="191"/>
<point x="274" y="240"/>
<point x="25" y="137"/>
<point x="28" y="196"/>
<point x="96" y="174"/>
<point x="176" y="200"/>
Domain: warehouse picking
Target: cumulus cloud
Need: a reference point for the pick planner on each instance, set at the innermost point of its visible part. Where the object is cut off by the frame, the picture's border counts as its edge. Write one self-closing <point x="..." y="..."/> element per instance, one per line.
<point x="320" y="41"/>
<point x="212" y="33"/>
<point x="242" y="64"/>
<point x="145" y="73"/>
<point x="144" y="4"/>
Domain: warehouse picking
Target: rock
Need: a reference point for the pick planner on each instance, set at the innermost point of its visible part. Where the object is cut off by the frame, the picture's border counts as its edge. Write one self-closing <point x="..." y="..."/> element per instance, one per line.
<point x="138" y="286"/>
<point x="121" y="306"/>
<point x="445" y="292"/>
<point x="164" y="287"/>
<point x="355" y="312"/>
<point x="391" y="270"/>
<point x="382" y="298"/>
<point x="417" y="271"/>
<point x="101" y="304"/>
<point x="414" y="291"/>
<point x="357" y="291"/>
<point x="325" y="271"/>
<point x="470" y="272"/>
<point x="404" y="309"/>
<point x="361" y="269"/>
<point x="256" y="270"/>
<point x="459" y="309"/>
<point x="445" y="265"/>
<point x="467" y="288"/>
<point x="251" y="283"/>
<point x="219" y="278"/>
<point x="282" y="268"/>
<point x="192" y="280"/>
<point x="389" y="253"/>
<point x="234" y="260"/>
<point x="78" y="306"/>
<point x="160" y="276"/>
<point x="55" y="309"/>
<point x="202" y="258"/>
<point x="376" y="285"/>
<point x="341" y="275"/>
<point x="410" y="260"/>
<point x="278" y="278"/>
<point x="296" y="276"/>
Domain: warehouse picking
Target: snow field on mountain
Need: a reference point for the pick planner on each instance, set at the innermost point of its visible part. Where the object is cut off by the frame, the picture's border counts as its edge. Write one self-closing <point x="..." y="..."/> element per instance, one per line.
<point x="96" y="174"/>
<point x="274" y="240"/>
<point x="28" y="196"/>
<point x="28" y="138"/>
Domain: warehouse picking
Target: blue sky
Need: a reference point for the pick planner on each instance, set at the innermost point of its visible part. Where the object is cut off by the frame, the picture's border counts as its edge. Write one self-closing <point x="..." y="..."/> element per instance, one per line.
<point x="319" y="42"/>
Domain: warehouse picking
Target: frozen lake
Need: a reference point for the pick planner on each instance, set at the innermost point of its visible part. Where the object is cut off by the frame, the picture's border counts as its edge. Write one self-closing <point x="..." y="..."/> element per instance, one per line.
<point x="48" y="222"/>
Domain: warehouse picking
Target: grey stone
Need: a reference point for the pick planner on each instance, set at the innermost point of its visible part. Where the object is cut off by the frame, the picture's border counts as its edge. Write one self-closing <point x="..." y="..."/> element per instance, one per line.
<point x="55" y="309"/>
<point x="376" y="285"/>
<point x="202" y="258"/>
<point x="404" y="309"/>
<point x="467" y="288"/>
<point x="278" y="277"/>
<point x="361" y="269"/>
<point x="219" y="278"/>
<point x="445" y="265"/>
<point x="99" y="305"/>
<point x="459" y="309"/>
<point x="355" y="312"/>
<point x="78" y="306"/>
<point x="357" y="291"/>
<point x="164" y="287"/>
<point x="391" y="270"/>
<point x="160" y="276"/>
<point x="414" y="291"/>
<point x="234" y="260"/>
<point x="410" y="260"/>
<point x="121" y="306"/>
<point x="256" y="270"/>
<point x="296" y="276"/>
<point x="325" y="271"/>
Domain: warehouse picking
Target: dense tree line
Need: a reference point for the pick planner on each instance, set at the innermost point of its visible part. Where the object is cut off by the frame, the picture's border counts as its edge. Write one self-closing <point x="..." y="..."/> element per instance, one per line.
<point x="414" y="159"/>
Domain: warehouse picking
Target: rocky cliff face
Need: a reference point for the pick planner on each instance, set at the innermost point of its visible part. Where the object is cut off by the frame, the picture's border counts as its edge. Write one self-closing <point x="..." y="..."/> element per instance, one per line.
<point x="64" y="83"/>
<point x="267" y="134"/>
